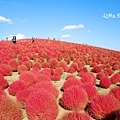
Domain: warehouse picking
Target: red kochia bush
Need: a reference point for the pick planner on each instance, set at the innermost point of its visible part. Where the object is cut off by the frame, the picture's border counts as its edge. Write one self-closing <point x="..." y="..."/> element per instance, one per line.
<point x="25" y="58"/>
<point x="9" y="109"/>
<point x="71" y="69"/>
<point x="76" y="116"/>
<point x="19" y="56"/>
<point x="36" y="65"/>
<point x="28" y="78"/>
<point x="53" y="62"/>
<point x="58" y="71"/>
<point x="2" y="93"/>
<point x="55" y="77"/>
<point x="102" y="105"/>
<point x="74" y="98"/>
<point x="109" y="71"/>
<point x="115" y="67"/>
<point x="97" y="69"/>
<point x="28" y="64"/>
<point x="75" y="65"/>
<point x="22" y="95"/>
<point x="41" y="76"/>
<point x="22" y="68"/>
<point x="3" y="82"/>
<point x="63" y="64"/>
<point x="5" y="69"/>
<point x="115" y="92"/>
<point x="16" y="87"/>
<point x="100" y="75"/>
<point x="44" y="64"/>
<point x="115" y="78"/>
<point x="90" y="89"/>
<point x="48" y="86"/>
<point x="46" y="71"/>
<point x="13" y="64"/>
<point x="41" y="106"/>
<point x="88" y="77"/>
<point x="83" y="70"/>
<point x="71" y="82"/>
<point x="105" y="82"/>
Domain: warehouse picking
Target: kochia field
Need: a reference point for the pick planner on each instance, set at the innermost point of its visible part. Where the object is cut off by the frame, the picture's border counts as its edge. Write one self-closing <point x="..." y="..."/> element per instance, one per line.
<point x="55" y="80"/>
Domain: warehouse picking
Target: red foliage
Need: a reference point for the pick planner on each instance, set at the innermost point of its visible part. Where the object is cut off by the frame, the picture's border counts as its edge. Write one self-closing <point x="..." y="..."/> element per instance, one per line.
<point x="106" y="73"/>
<point x="75" y="66"/>
<point x="72" y="81"/>
<point x="47" y="86"/>
<point x="109" y="71"/>
<point x="22" y="69"/>
<point x="41" y="76"/>
<point x="2" y="93"/>
<point x="74" y="98"/>
<point x="67" y="60"/>
<point x="53" y="63"/>
<point x="20" y="62"/>
<point x="102" y="105"/>
<point x="83" y="70"/>
<point x="5" y="69"/>
<point x="13" y="64"/>
<point x="45" y="64"/>
<point x="23" y="95"/>
<point x="16" y="87"/>
<point x="58" y="71"/>
<point x="3" y="82"/>
<point x="105" y="82"/>
<point x="93" y="64"/>
<point x="36" y="65"/>
<point x="71" y="69"/>
<point x="115" y="92"/>
<point x="19" y="56"/>
<point x="115" y="78"/>
<point x="63" y="64"/>
<point x="115" y="67"/>
<point x="70" y="76"/>
<point x="90" y="89"/>
<point x="9" y="109"/>
<point x="72" y="57"/>
<point x="55" y="77"/>
<point x="27" y="64"/>
<point x="28" y="78"/>
<point x="44" y="54"/>
<point x="76" y="116"/>
<point x="29" y="55"/>
<point x="46" y="71"/>
<point x="25" y="58"/>
<point x="41" y="105"/>
<point x="96" y="69"/>
<point x="88" y="77"/>
<point x="100" y="75"/>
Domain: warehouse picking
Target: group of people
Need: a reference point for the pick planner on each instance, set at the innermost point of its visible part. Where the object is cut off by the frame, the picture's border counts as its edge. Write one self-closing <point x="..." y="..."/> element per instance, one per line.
<point x="14" y="40"/>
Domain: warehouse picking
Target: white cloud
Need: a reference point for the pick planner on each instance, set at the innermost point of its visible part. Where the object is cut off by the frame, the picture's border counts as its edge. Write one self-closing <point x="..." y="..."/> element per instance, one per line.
<point x="66" y="35"/>
<point x="3" y="19"/>
<point x="18" y="36"/>
<point x="71" y="27"/>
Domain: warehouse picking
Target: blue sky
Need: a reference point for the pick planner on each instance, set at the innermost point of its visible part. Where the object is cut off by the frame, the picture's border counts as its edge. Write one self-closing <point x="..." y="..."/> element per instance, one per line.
<point x="95" y="22"/>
